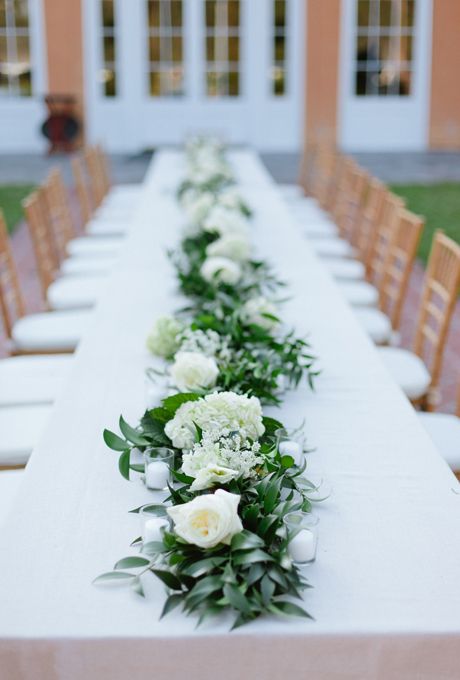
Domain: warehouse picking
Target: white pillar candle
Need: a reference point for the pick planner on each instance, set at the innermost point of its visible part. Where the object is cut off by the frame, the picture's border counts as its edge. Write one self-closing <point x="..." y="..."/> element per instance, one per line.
<point x="291" y="448"/>
<point x="302" y="548"/>
<point x="152" y="529"/>
<point x="156" y="475"/>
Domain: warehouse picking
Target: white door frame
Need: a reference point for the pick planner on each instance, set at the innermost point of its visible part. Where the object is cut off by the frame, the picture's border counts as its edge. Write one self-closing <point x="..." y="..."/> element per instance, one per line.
<point x="385" y="123"/>
<point x="22" y="117"/>
<point x="133" y="120"/>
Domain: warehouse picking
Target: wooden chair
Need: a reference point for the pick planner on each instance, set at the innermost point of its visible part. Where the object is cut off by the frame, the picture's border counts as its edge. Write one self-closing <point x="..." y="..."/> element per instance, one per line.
<point x="96" y="178"/>
<point x="444" y="430"/>
<point x="418" y="372"/>
<point x="83" y="195"/>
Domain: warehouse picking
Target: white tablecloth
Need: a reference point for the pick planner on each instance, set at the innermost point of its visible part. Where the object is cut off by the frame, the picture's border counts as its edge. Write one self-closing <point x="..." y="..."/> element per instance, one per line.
<point x="386" y="597"/>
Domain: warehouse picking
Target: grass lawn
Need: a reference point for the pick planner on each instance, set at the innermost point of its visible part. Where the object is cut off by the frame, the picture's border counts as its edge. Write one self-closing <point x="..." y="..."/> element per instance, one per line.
<point x="11" y="196"/>
<point x="439" y="204"/>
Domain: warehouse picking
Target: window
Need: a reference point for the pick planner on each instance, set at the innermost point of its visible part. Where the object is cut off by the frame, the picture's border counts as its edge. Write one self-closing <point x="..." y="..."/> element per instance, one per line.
<point x="384" y="47"/>
<point x="166" y="48"/>
<point x="279" y="46"/>
<point x="222" y="48"/>
<point x="15" y="63"/>
<point x="108" y="74"/>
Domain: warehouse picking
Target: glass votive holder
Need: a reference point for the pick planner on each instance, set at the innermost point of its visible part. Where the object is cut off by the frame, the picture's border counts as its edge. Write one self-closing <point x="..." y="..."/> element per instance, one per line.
<point x="152" y="524"/>
<point x="158" y="462"/>
<point x="304" y="529"/>
<point x="291" y="443"/>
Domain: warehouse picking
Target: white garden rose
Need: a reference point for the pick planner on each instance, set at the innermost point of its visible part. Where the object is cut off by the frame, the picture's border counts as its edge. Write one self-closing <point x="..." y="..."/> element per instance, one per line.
<point x="163" y="340"/>
<point x="253" y="312"/>
<point x="221" y="270"/>
<point x="223" y="221"/>
<point x="193" y="371"/>
<point x="211" y="475"/>
<point x="208" y="520"/>
<point x="234" y="246"/>
<point x="230" y="198"/>
<point x="198" y="208"/>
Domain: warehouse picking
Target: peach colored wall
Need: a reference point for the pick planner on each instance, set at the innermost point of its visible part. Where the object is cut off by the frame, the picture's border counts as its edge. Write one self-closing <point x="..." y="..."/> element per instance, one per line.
<point x="322" y="53"/>
<point x="445" y="89"/>
<point x="63" y="26"/>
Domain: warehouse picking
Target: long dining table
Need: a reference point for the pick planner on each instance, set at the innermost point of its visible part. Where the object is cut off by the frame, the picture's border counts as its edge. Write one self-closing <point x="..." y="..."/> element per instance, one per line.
<point x="385" y="600"/>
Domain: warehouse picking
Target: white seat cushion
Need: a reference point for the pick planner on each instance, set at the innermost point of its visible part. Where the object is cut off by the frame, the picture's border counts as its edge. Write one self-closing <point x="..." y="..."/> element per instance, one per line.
<point x="75" y="292"/>
<point x="444" y="430"/>
<point x="408" y="371"/>
<point x="333" y="247"/>
<point x="359" y="293"/>
<point x="87" y="246"/>
<point x="348" y="270"/>
<point x="324" y="229"/>
<point x="52" y="331"/>
<point x="10" y="481"/>
<point x="376" y="324"/>
<point x="21" y="428"/>
<point x="87" y="266"/>
<point x="107" y="227"/>
<point x="32" y="379"/>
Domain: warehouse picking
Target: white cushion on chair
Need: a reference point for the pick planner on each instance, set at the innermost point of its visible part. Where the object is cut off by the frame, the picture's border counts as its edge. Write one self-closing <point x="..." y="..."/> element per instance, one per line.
<point x="87" y="246"/>
<point x="376" y="324"/>
<point x="107" y="227"/>
<point x="87" y="266"/>
<point x="346" y="269"/>
<point x="75" y="292"/>
<point x="10" y="481"/>
<point x="21" y="428"/>
<point x="52" y="331"/>
<point x="408" y="371"/>
<point x="444" y="430"/>
<point x="359" y="293"/>
<point x="324" y="229"/>
<point x="333" y="247"/>
<point x="32" y="379"/>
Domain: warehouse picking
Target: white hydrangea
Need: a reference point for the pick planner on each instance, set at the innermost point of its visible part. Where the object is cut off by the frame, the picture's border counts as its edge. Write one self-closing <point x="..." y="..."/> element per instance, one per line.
<point x="207" y="342"/>
<point x="253" y="312"/>
<point x="223" y="221"/>
<point x="234" y="246"/>
<point x="198" y="208"/>
<point x="163" y="340"/>
<point x="217" y="412"/>
<point x="192" y="371"/>
<point x="221" y="270"/>
<point x="230" y="198"/>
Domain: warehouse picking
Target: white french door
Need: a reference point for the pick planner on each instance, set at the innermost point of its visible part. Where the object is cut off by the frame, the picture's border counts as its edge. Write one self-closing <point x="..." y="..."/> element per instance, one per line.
<point x="157" y="70"/>
<point x="385" y="74"/>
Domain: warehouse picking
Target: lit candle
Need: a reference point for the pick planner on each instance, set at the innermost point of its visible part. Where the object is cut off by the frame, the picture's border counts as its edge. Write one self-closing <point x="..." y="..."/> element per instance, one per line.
<point x="302" y="548"/>
<point x="152" y="529"/>
<point x="156" y="475"/>
<point x="291" y="448"/>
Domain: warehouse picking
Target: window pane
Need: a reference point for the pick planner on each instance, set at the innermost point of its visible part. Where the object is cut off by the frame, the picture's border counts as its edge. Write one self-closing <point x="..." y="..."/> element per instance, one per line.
<point x="25" y="84"/>
<point x="363" y="13"/>
<point x="166" y="75"/>
<point x="279" y="81"/>
<point x="279" y="48"/>
<point x="110" y="82"/>
<point x="222" y="45"/>
<point x="109" y="48"/>
<point x="233" y="84"/>
<point x="15" y="64"/>
<point x="108" y="16"/>
<point x="3" y="52"/>
<point x="21" y="13"/>
<point x="108" y="75"/>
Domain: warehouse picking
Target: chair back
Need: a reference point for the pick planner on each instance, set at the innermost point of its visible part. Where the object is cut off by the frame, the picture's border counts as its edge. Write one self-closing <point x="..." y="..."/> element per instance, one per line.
<point x="11" y="301"/>
<point x="81" y="187"/>
<point x="38" y="221"/>
<point x="398" y="266"/>
<point x="96" y="180"/>
<point x="370" y="217"/>
<point x="382" y="239"/>
<point x="439" y="296"/>
<point x="103" y="168"/>
<point x="353" y="203"/>
<point x="59" y="211"/>
<point x="326" y="167"/>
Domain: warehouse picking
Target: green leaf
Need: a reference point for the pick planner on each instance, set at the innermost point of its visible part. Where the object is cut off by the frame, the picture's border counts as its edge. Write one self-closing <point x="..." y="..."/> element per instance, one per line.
<point x="250" y="557"/>
<point x="287" y="461"/>
<point x="154" y="509"/>
<point x="271" y="425"/>
<point x="131" y="434"/>
<point x="267" y="589"/>
<point x="113" y="576"/>
<point x="203" y="566"/>
<point x="160" y="414"/>
<point x="171" y="603"/>
<point x="172" y="403"/>
<point x="246" y="540"/>
<point x="236" y="598"/>
<point x="123" y="464"/>
<point x="251" y="515"/>
<point x="132" y="562"/>
<point x="271" y="496"/>
<point x="204" y="587"/>
<point x="115" y="442"/>
<point x="288" y="609"/>
<point x="168" y="579"/>
<point x="136" y="585"/>
<point x="255" y="573"/>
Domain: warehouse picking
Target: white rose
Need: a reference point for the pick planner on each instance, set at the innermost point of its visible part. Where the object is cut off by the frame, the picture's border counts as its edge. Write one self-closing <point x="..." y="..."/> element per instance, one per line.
<point x="163" y="339"/>
<point x="222" y="221"/>
<point x="221" y="269"/>
<point x="208" y="520"/>
<point x="192" y="371"/>
<point x="212" y="474"/>
<point x="198" y="209"/>
<point x="234" y="246"/>
<point x="253" y="312"/>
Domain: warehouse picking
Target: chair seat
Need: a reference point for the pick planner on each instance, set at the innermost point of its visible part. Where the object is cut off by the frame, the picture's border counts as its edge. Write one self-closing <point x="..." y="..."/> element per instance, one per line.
<point x="50" y="332"/>
<point x="408" y="371"/>
<point x="376" y="324"/>
<point x="32" y="379"/>
<point x="87" y="246"/>
<point x="315" y="230"/>
<point x="348" y="270"/>
<point x="21" y="428"/>
<point x="444" y="430"/>
<point x="333" y="247"/>
<point x="10" y="481"/>
<point x="359" y="293"/>
<point x="75" y="292"/>
<point x="87" y="266"/>
<point x="107" y="227"/>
